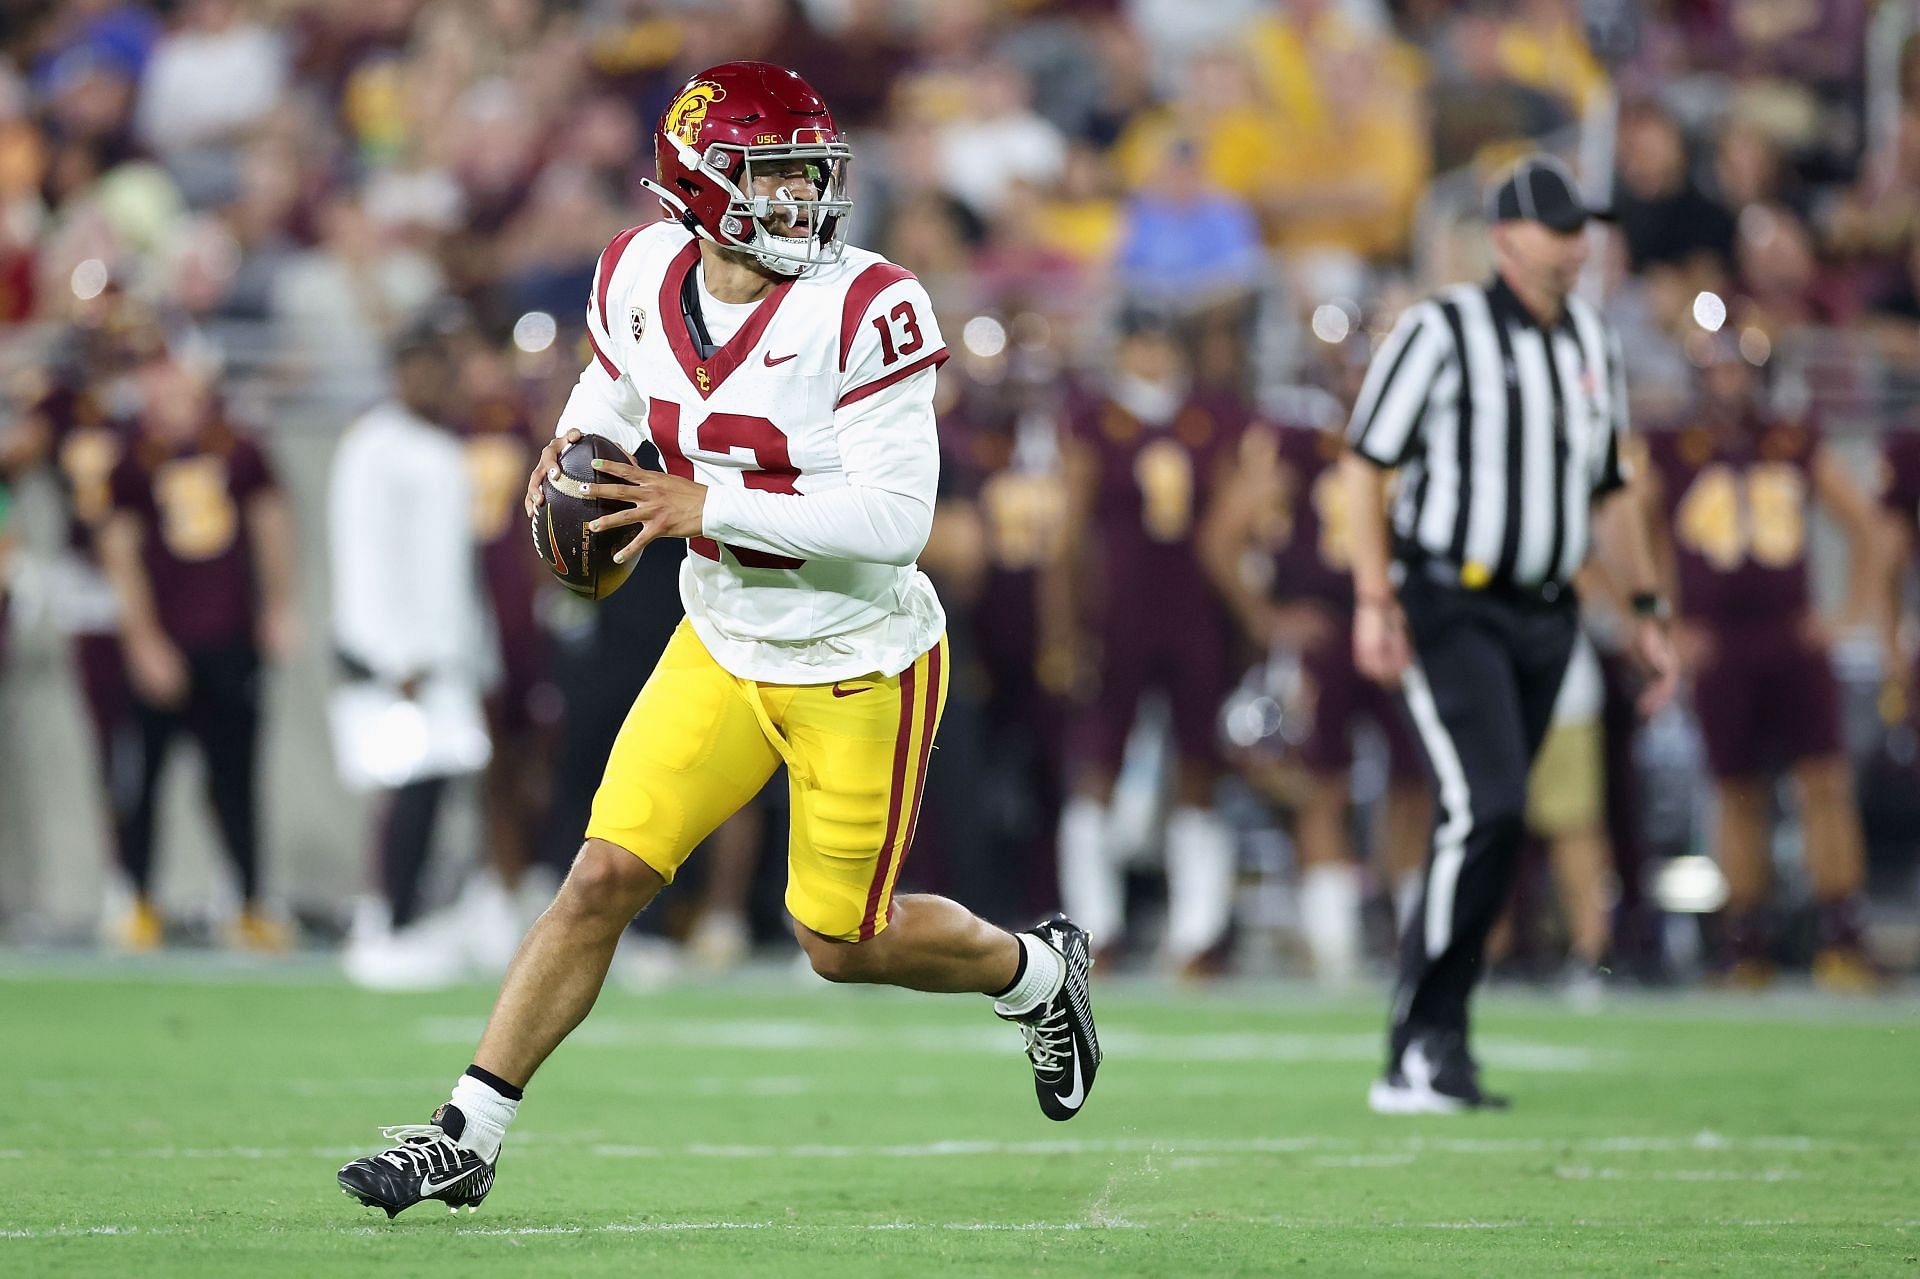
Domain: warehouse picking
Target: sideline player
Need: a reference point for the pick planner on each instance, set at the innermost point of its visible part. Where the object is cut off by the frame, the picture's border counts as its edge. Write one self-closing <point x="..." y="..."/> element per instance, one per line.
<point x="1738" y="485"/>
<point x="1144" y="456"/>
<point x="787" y="381"/>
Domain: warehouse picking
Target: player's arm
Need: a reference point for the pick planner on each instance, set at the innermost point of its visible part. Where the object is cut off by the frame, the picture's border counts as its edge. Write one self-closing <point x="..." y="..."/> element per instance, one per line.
<point x="158" y="671"/>
<point x="604" y="400"/>
<point x="1228" y="528"/>
<point x="1843" y="500"/>
<point x="1622" y="523"/>
<point x="1060" y="606"/>
<point x="1381" y="435"/>
<point x="271" y="539"/>
<point x="1900" y="520"/>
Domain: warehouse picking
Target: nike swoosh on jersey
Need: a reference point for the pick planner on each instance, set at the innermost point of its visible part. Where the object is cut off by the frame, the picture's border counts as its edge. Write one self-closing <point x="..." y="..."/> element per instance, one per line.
<point x="849" y="692"/>
<point x="428" y="1189"/>
<point x="768" y="357"/>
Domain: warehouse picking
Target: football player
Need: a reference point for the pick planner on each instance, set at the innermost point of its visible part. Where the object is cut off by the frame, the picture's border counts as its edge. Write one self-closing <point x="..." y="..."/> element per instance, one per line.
<point x="787" y="381"/>
<point x="1738" y="485"/>
<point x="199" y="548"/>
<point x="68" y="425"/>
<point x="1287" y="504"/>
<point x="1144" y="456"/>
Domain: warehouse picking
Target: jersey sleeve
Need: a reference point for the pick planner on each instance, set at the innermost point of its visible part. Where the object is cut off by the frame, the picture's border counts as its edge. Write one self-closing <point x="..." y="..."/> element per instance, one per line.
<point x="604" y="400"/>
<point x="883" y="425"/>
<point x="1387" y="416"/>
<point x="249" y="471"/>
<point x="1614" y="469"/>
<point x="887" y="333"/>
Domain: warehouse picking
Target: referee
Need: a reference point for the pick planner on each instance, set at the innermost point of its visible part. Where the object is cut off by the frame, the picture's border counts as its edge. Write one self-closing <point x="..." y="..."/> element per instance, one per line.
<point x="1502" y="407"/>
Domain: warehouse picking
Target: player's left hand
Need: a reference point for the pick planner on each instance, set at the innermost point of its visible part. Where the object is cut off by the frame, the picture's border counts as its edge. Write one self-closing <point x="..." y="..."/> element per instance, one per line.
<point x="660" y="505"/>
<point x="1653" y="650"/>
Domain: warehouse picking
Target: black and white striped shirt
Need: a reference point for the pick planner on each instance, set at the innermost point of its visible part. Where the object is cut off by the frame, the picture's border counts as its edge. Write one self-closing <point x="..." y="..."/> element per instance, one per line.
<point x="1504" y="432"/>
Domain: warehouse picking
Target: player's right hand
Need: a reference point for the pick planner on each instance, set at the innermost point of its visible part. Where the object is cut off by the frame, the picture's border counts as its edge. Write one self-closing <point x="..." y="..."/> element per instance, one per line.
<point x="549" y="458"/>
<point x="1381" y="651"/>
<point x="158" y="671"/>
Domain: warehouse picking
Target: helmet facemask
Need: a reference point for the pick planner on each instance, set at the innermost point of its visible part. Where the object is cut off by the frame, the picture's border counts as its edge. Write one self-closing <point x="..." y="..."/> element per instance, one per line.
<point x="744" y="226"/>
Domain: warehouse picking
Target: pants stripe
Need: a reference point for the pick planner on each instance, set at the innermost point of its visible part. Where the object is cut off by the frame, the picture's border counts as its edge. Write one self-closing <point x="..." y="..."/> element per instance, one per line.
<point x="928" y="724"/>
<point x="1456" y="806"/>
<point x="902" y="752"/>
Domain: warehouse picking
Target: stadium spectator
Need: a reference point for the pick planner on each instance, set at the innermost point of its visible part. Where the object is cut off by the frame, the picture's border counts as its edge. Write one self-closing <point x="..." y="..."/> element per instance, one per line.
<point x="1668" y="221"/>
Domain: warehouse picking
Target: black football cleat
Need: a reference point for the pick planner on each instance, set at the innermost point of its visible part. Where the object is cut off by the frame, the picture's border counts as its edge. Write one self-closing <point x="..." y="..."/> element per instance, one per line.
<point x="427" y="1164"/>
<point x="1435" y="1075"/>
<point x="1061" y="1042"/>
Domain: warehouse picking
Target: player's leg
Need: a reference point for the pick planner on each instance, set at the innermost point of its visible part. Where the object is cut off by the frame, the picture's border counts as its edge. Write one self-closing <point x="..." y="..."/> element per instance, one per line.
<point x="1201" y="849"/>
<point x="1837" y="865"/>
<point x="857" y="769"/>
<point x="688" y="757"/>
<point x="1406" y="818"/>
<point x="1092" y="878"/>
<point x="1329" y="875"/>
<point x="226" y="722"/>
<point x="690" y="753"/>
<point x="141" y="758"/>
<point x="721" y="936"/>
<point x="1728" y="691"/>
<point x="1201" y="854"/>
<point x="1564" y="808"/>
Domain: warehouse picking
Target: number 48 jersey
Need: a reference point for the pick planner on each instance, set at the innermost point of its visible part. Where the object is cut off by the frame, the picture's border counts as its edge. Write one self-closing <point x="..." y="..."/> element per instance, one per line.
<point x="824" y="392"/>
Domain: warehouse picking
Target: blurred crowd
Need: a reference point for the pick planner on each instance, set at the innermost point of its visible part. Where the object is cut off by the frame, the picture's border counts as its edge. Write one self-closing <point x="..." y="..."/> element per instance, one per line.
<point x="225" y="223"/>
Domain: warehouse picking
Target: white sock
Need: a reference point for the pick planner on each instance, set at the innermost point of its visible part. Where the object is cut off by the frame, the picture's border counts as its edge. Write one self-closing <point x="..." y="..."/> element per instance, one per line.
<point x="1406" y="898"/>
<point x="1038" y="981"/>
<point x="1330" y="920"/>
<point x="1200" y="864"/>
<point x="1092" y="890"/>
<point x="487" y="1114"/>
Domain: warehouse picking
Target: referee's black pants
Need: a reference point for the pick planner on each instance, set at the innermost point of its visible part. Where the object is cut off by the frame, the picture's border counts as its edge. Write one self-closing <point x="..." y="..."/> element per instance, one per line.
<point x="1487" y="668"/>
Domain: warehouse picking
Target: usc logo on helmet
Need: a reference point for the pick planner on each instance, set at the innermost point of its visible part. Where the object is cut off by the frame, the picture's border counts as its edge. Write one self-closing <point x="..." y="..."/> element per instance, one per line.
<point x="689" y="110"/>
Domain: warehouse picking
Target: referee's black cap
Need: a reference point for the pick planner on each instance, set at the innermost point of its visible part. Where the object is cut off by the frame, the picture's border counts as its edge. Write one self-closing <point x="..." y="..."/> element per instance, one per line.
<point x="1541" y="189"/>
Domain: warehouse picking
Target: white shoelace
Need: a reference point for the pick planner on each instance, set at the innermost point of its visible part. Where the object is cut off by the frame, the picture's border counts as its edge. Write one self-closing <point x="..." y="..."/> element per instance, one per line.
<point x="1048" y="1042"/>
<point x="418" y="1148"/>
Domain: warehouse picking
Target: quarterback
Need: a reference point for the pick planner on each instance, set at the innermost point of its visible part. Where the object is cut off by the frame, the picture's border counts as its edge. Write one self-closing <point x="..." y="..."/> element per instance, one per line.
<point x="787" y="381"/>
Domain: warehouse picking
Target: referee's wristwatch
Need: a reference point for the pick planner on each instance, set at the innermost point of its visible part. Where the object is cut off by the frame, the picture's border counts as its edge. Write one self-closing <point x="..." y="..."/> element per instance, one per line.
<point x="1652" y="606"/>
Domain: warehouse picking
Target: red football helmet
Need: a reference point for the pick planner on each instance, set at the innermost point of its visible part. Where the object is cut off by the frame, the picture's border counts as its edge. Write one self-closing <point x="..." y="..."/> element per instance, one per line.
<point x="721" y="127"/>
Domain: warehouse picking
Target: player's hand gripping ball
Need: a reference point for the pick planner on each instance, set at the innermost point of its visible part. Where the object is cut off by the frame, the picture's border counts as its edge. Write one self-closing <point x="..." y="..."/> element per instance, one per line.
<point x="579" y="557"/>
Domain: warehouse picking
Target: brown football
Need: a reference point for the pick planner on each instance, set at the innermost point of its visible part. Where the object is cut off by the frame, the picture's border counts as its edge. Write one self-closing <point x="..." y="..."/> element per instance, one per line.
<point x="581" y="559"/>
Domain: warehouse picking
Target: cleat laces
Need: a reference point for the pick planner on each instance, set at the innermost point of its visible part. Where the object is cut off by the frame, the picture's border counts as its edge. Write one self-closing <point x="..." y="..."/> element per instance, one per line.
<point x="424" y="1149"/>
<point x="1049" y="1041"/>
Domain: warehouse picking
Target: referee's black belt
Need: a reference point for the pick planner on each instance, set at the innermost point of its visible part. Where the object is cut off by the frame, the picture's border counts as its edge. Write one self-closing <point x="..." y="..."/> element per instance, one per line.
<point x="1480" y="580"/>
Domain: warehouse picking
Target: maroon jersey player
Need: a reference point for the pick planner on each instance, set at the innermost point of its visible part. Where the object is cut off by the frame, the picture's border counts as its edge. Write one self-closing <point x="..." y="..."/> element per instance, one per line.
<point x="1142" y="460"/>
<point x="1286" y="512"/>
<point x="501" y="446"/>
<point x="198" y="546"/>
<point x="1900" y="505"/>
<point x="1737" y="487"/>
<point x="60" y="421"/>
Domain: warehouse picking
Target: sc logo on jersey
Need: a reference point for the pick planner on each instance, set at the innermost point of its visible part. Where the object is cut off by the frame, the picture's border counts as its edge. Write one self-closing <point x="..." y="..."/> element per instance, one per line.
<point x="637" y="319"/>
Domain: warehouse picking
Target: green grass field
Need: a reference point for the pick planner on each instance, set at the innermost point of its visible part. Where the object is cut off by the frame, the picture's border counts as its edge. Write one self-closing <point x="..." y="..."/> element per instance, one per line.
<point x="188" y="1119"/>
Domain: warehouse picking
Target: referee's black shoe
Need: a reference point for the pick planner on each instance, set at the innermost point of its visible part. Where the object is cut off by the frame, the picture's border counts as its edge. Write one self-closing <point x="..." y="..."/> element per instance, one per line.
<point x="1435" y="1075"/>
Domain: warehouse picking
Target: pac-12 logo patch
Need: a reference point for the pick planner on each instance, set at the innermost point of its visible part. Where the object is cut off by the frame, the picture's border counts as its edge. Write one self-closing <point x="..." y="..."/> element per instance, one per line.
<point x="638" y="319"/>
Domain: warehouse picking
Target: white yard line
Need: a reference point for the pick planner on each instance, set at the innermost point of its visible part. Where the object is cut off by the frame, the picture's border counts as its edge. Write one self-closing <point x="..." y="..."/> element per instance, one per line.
<point x="466" y="1227"/>
<point x="1351" y="1152"/>
<point x="787" y="1036"/>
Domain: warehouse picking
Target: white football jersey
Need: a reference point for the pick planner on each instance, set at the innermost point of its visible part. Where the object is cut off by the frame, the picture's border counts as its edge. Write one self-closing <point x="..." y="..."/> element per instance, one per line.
<point x="812" y="428"/>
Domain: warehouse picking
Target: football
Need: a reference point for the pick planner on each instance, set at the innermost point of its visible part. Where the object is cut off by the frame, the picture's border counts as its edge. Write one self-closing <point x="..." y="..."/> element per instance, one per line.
<point x="580" y="558"/>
